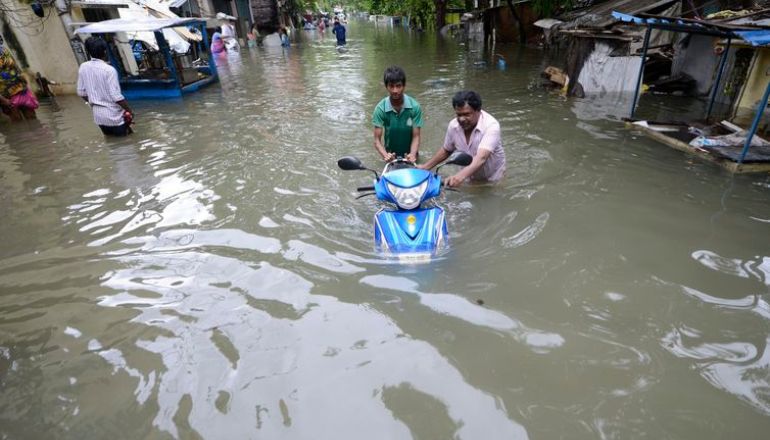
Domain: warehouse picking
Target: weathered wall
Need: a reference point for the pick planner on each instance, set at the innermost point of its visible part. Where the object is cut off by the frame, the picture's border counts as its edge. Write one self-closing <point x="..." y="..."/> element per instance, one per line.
<point x="754" y="88"/>
<point x="698" y="60"/>
<point x="45" y="46"/>
<point x="265" y="14"/>
<point x="507" y="28"/>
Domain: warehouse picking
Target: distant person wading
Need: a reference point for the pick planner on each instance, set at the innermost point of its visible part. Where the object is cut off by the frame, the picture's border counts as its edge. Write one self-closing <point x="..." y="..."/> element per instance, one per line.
<point x="98" y="85"/>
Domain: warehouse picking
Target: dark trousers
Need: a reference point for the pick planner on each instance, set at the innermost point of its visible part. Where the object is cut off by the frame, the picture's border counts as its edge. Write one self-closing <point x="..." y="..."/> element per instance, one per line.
<point x="117" y="130"/>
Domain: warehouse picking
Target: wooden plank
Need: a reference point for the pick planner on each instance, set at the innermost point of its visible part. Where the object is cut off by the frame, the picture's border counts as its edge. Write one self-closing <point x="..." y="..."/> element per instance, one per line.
<point x="676" y="144"/>
<point x="730" y="126"/>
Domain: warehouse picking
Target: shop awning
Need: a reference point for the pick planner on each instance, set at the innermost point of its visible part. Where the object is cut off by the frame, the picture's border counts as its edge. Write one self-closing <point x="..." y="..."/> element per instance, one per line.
<point x="135" y="25"/>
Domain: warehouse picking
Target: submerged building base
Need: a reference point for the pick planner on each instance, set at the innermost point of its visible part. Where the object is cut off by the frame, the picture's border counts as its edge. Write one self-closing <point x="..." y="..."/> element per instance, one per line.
<point x="679" y="136"/>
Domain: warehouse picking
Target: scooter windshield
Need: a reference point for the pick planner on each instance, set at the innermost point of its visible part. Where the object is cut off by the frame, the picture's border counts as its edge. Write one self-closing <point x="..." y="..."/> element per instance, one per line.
<point x="406" y="187"/>
<point x="407" y="177"/>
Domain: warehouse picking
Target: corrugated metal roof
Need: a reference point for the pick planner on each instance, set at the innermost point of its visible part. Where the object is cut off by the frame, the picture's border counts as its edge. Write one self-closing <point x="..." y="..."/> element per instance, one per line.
<point x="747" y="31"/>
<point x="600" y="15"/>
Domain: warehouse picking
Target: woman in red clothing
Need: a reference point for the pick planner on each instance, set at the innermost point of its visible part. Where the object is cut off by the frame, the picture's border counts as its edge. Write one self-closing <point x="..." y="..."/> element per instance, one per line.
<point x="16" y="99"/>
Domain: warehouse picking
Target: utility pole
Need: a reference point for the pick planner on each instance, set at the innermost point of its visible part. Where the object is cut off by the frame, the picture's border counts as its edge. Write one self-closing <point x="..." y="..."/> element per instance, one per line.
<point x="63" y="9"/>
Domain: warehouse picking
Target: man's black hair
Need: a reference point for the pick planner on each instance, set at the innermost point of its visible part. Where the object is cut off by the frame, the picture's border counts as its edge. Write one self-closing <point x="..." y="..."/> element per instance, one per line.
<point x="394" y="75"/>
<point x="467" y="97"/>
<point x="96" y="47"/>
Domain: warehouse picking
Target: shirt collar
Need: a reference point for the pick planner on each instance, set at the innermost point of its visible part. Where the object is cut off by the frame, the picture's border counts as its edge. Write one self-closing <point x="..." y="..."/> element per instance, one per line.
<point x="389" y="107"/>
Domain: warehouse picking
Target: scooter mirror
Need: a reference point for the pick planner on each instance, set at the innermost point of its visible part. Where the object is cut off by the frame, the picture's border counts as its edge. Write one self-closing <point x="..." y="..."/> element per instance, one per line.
<point x="349" y="163"/>
<point x="459" y="158"/>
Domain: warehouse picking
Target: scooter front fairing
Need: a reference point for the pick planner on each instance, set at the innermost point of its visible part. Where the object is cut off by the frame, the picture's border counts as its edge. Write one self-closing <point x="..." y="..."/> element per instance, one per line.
<point x="418" y="232"/>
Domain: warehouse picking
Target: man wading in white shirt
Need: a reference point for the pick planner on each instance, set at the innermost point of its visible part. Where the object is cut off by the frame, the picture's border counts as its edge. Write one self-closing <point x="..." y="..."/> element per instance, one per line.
<point x="475" y="132"/>
<point x="98" y="85"/>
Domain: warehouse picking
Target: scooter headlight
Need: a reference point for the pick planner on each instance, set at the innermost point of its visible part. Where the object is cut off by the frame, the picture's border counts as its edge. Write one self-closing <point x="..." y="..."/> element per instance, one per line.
<point x="408" y="198"/>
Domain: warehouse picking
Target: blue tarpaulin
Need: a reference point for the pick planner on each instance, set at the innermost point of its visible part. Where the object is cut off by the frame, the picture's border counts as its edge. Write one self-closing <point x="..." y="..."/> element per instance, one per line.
<point x="756" y="38"/>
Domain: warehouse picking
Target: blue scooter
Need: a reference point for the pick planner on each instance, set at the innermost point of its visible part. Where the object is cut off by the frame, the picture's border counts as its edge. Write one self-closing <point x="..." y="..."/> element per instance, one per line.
<point x="416" y="230"/>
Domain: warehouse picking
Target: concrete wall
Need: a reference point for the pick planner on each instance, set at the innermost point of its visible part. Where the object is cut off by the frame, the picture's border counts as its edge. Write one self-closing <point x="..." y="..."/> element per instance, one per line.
<point x="45" y="46"/>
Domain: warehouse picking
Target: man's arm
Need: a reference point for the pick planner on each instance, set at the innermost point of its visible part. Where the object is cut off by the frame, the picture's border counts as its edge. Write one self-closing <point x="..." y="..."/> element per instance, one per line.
<point x="437" y="158"/>
<point x="123" y="103"/>
<point x="117" y="95"/>
<point x="387" y="157"/>
<point x="478" y="161"/>
<point x="81" y="88"/>
<point x="378" y="120"/>
<point x="487" y="144"/>
<point x="415" y="146"/>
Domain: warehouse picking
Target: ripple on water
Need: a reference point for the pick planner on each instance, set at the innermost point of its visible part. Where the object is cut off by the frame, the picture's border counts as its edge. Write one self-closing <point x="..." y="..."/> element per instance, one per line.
<point x="461" y="308"/>
<point x="233" y="344"/>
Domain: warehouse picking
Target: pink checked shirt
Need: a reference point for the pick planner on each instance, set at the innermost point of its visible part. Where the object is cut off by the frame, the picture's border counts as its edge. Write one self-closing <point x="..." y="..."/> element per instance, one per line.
<point x="486" y="136"/>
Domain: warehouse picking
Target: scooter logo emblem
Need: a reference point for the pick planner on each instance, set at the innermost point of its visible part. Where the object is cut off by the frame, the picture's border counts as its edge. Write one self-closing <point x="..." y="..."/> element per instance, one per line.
<point x="411" y="219"/>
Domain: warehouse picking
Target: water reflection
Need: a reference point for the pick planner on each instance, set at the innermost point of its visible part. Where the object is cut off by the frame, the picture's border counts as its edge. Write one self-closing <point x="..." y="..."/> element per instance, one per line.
<point x="732" y="360"/>
<point x="248" y="342"/>
<point x="459" y="307"/>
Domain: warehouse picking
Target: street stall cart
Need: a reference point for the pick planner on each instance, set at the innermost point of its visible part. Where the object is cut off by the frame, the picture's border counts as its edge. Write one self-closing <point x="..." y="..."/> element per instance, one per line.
<point x="157" y="69"/>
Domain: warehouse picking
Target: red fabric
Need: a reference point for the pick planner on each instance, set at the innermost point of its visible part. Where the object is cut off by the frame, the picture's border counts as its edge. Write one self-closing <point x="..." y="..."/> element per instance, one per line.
<point x="25" y="99"/>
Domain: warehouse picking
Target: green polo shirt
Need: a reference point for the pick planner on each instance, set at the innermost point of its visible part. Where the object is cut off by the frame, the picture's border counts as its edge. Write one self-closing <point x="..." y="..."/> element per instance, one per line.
<point x="397" y="126"/>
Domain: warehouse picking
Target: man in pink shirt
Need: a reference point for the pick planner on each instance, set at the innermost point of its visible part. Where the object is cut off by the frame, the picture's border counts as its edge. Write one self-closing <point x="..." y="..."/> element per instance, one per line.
<point x="477" y="133"/>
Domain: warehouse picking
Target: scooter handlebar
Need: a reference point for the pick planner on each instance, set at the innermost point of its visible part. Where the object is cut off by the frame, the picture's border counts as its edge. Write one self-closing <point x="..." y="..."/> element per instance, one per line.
<point x="365" y="188"/>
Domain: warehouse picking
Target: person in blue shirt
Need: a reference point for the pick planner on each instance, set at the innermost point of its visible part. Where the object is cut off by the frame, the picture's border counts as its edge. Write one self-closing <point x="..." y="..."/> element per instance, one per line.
<point x="339" y="31"/>
<point x="284" y="37"/>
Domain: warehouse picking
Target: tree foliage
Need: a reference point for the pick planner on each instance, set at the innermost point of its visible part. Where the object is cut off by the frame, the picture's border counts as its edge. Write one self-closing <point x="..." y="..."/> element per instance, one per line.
<point x="422" y="12"/>
<point x="547" y="8"/>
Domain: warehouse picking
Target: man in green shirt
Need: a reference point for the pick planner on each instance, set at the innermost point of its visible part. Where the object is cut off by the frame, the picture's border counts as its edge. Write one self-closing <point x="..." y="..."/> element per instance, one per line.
<point x="398" y="117"/>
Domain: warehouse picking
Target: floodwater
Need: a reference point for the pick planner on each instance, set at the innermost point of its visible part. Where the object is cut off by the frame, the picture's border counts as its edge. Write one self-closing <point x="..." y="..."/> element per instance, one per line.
<point x="213" y="275"/>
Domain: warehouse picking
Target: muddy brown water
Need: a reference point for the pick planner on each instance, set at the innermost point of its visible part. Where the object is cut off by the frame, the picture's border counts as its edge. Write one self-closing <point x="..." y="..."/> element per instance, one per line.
<point x="213" y="276"/>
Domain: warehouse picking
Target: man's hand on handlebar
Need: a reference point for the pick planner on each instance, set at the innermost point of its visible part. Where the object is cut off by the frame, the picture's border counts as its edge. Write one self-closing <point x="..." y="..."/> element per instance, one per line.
<point x="389" y="157"/>
<point x="454" y="181"/>
<point x="412" y="157"/>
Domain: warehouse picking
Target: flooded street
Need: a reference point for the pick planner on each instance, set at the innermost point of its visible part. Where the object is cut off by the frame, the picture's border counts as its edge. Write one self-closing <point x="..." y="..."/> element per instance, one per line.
<point x="213" y="276"/>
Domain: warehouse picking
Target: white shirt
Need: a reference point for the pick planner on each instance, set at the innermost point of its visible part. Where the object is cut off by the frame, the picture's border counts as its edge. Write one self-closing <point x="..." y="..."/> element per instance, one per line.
<point x="485" y="136"/>
<point x="228" y="31"/>
<point x="98" y="81"/>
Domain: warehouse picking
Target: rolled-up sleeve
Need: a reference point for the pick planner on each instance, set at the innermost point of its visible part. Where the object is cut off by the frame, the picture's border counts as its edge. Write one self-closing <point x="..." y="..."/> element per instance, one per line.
<point x="491" y="138"/>
<point x="378" y="117"/>
<point x="114" y="87"/>
<point x="417" y="115"/>
<point x="81" y="84"/>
